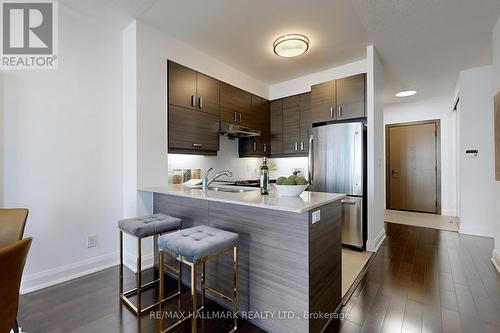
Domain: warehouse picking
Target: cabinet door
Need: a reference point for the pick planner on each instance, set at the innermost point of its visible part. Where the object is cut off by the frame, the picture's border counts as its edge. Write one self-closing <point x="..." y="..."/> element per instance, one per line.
<point x="277" y="127"/>
<point x="351" y="97"/>
<point x="235" y="105"/>
<point x="207" y="91"/>
<point x="323" y="102"/>
<point x="181" y="86"/>
<point x="291" y="125"/>
<point x="192" y="130"/>
<point x="305" y="121"/>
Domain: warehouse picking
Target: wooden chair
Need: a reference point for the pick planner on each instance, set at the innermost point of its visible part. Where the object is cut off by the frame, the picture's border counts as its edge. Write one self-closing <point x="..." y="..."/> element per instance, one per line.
<point x="12" y="222"/>
<point x="12" y="259"/>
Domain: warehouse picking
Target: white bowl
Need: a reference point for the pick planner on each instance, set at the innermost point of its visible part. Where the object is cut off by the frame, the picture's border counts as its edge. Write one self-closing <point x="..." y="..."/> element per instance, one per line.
<point x="290" y="190"/>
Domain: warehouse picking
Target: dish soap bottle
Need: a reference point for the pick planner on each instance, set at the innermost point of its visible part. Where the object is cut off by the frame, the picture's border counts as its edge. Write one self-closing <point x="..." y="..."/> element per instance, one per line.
<point x="264" y="177"/>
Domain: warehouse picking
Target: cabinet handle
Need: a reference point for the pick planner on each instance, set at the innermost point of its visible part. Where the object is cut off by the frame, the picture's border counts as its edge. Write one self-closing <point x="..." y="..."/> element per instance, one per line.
<point x="193" y="100"/>
<point x="254" y="146"/>
<point x="331" y="112"/>
<point x="296" y="146"/>
<point x="240" y="116"/>
<point x="302" y="145"/>
<point x="200" y="102"/>
<point x="197" y="145"/>
<point x="339" y="111"/>
<point x="264" y="147"/>
<point x="234" y="116"/>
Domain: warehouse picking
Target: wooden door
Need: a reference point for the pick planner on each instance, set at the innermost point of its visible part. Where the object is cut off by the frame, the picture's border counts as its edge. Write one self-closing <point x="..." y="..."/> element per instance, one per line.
<point x="181" y="86"/>
<point x="277" y="127"/>
<point x="323" y="102"/>
<point x="207" y="92"/>
<point x="305" y="121"/>
<point x="351" y="97"/>
<point x="235" y="105"/>
<point x="413" y="167"/>
<point x="190" y="130"/>
<point x="291" y="125"/>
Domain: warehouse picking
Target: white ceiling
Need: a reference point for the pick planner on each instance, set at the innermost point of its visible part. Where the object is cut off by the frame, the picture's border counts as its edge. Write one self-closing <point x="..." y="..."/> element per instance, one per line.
<point x="422" y="43"/>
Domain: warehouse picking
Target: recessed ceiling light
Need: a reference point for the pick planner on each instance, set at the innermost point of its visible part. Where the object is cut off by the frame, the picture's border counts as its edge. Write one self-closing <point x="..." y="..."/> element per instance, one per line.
<point x="291" y="45"/>
<point x="406" y="93"/>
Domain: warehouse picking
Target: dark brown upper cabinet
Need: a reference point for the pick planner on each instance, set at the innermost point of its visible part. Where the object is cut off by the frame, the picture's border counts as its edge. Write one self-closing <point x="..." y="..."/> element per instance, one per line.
<point x="277" y="127"/>
<point x="260" y="120"/>
<point x="192" y="90"/>
<point x="323" y="102"/>
<point x="192" y="132"/>
<point x="351" y="97"/>
<point x="235" y="105"/>
<point x="290" y="124"/>
<point x="339" y="99"/>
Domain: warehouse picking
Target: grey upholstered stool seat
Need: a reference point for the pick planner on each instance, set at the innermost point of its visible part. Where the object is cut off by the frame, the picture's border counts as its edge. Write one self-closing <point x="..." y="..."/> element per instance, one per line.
<point x="194" y="247"/>
<point x="139" y="228"/>
<point x="197" y="242"/>
<point x="149" y="225"/>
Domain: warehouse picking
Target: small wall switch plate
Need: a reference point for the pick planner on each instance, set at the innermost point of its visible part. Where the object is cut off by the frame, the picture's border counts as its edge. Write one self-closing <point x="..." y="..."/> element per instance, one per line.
<point x="91" y="241"/>
<point x="471" y="153"/>
<point x="316" y="216"/>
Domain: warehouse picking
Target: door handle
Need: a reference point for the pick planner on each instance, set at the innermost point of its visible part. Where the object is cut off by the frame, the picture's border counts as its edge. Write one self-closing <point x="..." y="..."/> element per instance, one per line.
<point x="348" y="201"/>
<point x="296" y="146"/>
<point x="240" y="116"/>
<point x="200" y="102"/>
<point x="234" y="116"/>
<point x="254" y="146"/>
<point x="331" y="112"/>
<point x="394" y="172"/>
<point x="193" y="101"/>
<point x="197" y="145"/>
<point x="339" y="111"/>
<point x="264" y="147"/>
<point x="310" y="160"/>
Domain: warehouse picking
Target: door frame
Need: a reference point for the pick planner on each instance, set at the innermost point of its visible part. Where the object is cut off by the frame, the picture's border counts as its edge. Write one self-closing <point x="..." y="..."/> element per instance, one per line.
<point x="437" y="123"/>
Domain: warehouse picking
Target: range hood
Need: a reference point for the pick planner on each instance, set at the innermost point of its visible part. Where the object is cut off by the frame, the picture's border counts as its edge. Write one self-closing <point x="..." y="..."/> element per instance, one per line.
<point x="237" y="131"/>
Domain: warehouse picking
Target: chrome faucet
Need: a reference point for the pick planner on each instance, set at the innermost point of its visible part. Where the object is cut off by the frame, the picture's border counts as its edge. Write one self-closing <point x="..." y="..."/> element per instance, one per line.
<point x="206" y="181"/>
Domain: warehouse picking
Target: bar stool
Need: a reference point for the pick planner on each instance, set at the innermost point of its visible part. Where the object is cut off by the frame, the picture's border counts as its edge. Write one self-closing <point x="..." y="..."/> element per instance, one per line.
<point x="194" y="246"/>
<point x="139" y="228"/>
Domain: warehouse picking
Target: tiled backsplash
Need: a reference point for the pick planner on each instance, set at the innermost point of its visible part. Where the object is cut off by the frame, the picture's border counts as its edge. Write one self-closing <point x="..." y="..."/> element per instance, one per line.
<point x="227" y="159"/>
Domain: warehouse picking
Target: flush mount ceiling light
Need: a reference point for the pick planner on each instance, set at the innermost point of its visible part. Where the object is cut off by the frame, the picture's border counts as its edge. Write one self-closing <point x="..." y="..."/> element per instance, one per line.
<point x="406" y="93"/>
<point x="291" y="45"/>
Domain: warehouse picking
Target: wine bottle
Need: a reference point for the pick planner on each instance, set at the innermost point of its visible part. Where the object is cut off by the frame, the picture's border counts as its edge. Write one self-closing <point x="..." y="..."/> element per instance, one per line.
<point x="264" y="178"/>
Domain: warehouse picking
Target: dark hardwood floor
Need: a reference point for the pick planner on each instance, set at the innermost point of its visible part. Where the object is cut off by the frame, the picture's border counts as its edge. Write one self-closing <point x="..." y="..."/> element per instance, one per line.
<point x="421" y="280"/>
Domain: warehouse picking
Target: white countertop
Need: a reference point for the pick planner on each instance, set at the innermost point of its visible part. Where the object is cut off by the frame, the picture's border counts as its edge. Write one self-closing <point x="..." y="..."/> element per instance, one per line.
<point x="303" y="203"/>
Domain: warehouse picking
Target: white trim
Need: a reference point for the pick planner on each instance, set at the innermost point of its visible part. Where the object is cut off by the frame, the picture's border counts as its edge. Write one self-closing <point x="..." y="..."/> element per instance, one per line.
<point x="475" y="232"/>
<point x="374" y="245"/>
<point x="495" y="259"/>
<point x="65" y="273"/>
<point x="130" y="261"/>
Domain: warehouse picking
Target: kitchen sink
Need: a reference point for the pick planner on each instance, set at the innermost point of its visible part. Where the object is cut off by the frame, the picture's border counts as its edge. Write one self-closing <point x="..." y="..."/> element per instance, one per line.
<point x="228" y="189"/>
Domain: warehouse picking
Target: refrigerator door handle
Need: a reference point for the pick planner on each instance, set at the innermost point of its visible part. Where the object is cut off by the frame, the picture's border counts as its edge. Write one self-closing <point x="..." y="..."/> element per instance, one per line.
<point x="311" y="159"/>
<point x="348" y="201"/>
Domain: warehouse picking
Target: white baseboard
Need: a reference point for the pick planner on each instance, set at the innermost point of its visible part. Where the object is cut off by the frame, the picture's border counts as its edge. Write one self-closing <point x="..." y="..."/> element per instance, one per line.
<point x="475" y="232"/>
<point x="146" y="262"/>
<point x="65" y="273"/>
<point x="495" y="259"/>
<point x="374" y="245"/>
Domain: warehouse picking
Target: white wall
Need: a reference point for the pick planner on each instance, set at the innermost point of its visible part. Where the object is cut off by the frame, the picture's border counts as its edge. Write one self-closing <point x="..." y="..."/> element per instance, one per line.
<point x="496" y="89"/>
<point x="375" y="149"/>
<point x="62" y="151"/>
<point x="477" y="191"/>
<point x="428" y="109"/>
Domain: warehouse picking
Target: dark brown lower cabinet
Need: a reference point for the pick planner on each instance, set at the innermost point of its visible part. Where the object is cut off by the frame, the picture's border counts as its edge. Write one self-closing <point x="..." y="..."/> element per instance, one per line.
<point x="192" y="132"/>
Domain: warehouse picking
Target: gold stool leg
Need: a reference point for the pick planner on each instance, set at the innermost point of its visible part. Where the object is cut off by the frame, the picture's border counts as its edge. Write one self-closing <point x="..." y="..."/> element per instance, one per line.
<point x="193" y="296"/>
<point x="121" y="263"/>
<point x="138" y="278"/>
<point x="235" y="287"/>
<point x="203" y="276"/>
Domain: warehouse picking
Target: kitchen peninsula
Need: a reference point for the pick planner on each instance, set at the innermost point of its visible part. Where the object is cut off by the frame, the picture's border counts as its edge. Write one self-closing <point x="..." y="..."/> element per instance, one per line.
<point x="290" y="250"/>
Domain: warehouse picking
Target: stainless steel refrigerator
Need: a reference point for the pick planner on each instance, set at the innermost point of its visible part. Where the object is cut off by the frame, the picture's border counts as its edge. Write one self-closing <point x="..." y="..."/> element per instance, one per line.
<point x="337" y="163"/>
